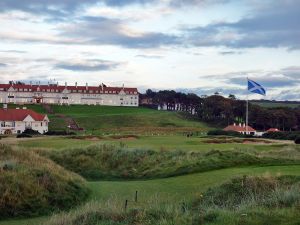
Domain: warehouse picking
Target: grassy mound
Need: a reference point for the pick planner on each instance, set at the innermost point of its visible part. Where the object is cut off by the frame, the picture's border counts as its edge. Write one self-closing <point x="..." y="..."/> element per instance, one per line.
<point x="257" y="200"/>
<point x="31" y="185"/>
<point x="252" y="200"/>
<point x="111" y="162"/>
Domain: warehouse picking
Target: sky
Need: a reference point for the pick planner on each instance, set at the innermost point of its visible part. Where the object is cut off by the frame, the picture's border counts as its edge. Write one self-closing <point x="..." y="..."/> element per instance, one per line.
<point x="200" y="46"/>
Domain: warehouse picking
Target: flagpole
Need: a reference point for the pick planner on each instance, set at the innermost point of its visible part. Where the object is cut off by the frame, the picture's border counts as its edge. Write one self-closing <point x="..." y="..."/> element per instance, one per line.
<point x="247" y="109"/>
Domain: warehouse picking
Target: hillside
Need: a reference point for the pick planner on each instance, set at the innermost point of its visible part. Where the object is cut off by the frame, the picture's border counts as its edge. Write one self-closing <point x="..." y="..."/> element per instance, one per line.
<point x="111" y="119"/>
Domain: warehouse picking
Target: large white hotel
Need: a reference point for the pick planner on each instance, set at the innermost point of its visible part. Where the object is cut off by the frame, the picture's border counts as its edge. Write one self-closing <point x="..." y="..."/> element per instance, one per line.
<point x="64" y="94"/>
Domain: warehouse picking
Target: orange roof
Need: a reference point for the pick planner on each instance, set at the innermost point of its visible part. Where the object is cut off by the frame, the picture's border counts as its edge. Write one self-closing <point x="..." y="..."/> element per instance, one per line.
<point x="273" y="130"/>
<point x="239" y="128"/>
<point x="19" y="115"/>
<point x="61" y="88"/>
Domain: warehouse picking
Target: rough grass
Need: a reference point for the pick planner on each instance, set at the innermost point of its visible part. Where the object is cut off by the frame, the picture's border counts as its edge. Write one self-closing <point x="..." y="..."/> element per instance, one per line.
<point x="113" y="162"/>
<point x="265" y="200"/>
<point x="31" y="185"/>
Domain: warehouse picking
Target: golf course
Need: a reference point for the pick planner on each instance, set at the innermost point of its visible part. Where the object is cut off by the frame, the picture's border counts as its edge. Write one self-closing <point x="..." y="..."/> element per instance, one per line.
<point x="143" y="166"/>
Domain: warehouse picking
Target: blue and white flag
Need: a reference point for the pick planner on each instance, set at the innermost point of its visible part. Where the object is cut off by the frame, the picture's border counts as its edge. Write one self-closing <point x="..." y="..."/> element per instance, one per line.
<point x="255" y="88"/>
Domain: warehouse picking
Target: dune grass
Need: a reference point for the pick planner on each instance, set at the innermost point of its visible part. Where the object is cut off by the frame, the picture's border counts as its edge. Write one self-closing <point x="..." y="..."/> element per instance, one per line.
<point x="257" y="200"/>
<point x="172" y="191"/>
<point x="116" y="162"/>
<point x="31" y="185"/>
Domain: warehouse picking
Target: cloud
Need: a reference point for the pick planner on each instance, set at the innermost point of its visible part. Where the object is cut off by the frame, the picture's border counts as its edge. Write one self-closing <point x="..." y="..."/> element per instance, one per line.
<point x="231" y="52"/>
<point x="60" y="8"/>
<point x="3" y="65"/>
<point x="150" y="56"/>
<point x="275" y="25"/>
<point x="104" y="31"/>
<point x="90" y="65"/>
<point x="13" y="51"/>
<point x="285" y="77"/>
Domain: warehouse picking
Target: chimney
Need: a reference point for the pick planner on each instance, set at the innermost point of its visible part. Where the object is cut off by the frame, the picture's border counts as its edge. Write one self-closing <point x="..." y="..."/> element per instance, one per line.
<point x="5" y="106"/>
<point x="57" y="83"/>
<point x="76" y="84"/>
<point x="240" y="124"/>
<point x="234" y="124"/>
<point x="66" y="84"/>
<point x="86" y="86"/>
<point x="244" y="125"/>
<point x="30" y="83"/>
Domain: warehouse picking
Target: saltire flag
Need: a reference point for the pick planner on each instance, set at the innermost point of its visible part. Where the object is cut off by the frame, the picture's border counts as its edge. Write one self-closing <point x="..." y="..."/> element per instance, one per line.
<point x="255" y="88"/>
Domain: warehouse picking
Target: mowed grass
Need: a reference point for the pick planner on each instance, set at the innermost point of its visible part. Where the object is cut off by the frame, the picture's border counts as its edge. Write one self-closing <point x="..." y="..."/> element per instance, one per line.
<point x="114" y="119"/>
<point x="172" y="191"/>
<point x="157" y="142"/>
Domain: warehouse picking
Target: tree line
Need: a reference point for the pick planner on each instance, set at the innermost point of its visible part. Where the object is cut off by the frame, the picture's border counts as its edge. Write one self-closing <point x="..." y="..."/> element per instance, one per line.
<point x="225" y="110"/>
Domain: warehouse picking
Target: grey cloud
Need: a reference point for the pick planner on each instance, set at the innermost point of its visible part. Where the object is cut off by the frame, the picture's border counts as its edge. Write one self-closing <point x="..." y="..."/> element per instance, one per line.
<point x="104" y="31"/>
<point x="286" y="77"/>
<point x="231" y="52"/>
<point x="91" y="65"/>
<point x="150" y="56"/>
<point x="60" y="8"/>
<point x="3" y="65"/>
<point x="276" y="26"/>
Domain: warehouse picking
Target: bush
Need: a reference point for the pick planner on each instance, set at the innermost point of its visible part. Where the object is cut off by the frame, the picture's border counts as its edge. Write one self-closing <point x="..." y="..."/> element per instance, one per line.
<point x="31" y="132"/>
<point x="24" y="135"/>
<point x="224" y="133"/>
<point x="59" y="132"/>
<point x="297" y="140"/>
<point x="291" y="135"/>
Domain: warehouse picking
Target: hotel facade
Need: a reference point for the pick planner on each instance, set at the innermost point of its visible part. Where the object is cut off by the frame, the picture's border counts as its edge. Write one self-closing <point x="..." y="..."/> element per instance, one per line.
<point x="67" y="95"/>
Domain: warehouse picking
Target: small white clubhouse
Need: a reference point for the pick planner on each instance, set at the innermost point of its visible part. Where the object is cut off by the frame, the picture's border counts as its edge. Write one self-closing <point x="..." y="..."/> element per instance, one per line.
<point x="16" y="121"/>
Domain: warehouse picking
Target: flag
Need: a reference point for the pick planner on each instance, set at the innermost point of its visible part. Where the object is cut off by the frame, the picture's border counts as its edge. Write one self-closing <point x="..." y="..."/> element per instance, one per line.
<point x="255" y="88"/>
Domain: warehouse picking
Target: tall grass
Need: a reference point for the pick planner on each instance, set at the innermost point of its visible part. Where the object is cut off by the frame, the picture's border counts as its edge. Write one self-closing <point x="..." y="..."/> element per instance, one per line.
<point x="249" y="194"/>
<point x="116" y="162"/>
<point x="31" y="185"/>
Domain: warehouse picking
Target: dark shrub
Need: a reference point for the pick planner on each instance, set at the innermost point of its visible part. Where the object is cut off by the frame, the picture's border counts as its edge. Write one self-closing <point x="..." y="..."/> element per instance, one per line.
<point x="23" y="135"/>
<point x="31" y="132"/>
<point x="59" y="132"/>
<point x="297" y="140"/>
<point x="291" y="135"/>
<point x="225" y="133"/>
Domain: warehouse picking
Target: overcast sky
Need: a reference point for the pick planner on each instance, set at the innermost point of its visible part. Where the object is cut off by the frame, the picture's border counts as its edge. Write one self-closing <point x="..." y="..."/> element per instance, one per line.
<point x="192" y="45"/>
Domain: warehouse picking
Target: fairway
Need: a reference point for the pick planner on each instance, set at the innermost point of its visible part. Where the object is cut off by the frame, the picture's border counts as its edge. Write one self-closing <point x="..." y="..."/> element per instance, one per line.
<point x="167" y="191"/>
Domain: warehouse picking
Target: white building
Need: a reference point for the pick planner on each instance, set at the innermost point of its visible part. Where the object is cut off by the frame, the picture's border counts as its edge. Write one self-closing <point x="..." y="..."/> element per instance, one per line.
<point x="15" y="121"/>
<point x="55" y="94"/>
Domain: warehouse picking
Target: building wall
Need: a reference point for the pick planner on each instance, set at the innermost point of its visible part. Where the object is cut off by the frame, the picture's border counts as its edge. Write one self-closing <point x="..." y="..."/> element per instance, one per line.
<point x="70" y="98"/>
<point x="15" y="126"/>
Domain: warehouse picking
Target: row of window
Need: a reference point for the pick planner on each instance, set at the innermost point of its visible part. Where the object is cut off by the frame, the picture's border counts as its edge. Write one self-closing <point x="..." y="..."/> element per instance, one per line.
<point x="72" y="91"/>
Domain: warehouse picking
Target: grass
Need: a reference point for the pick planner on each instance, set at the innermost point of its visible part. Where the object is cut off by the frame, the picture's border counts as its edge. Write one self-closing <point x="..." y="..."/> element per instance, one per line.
<point x="112" y="119"/>
<point x="173" y="191"/>
<point x="116" y="162"/>
<point x="31" y="185"/>
<point x="265" y="200"/>
<point x="161" y="142"/>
